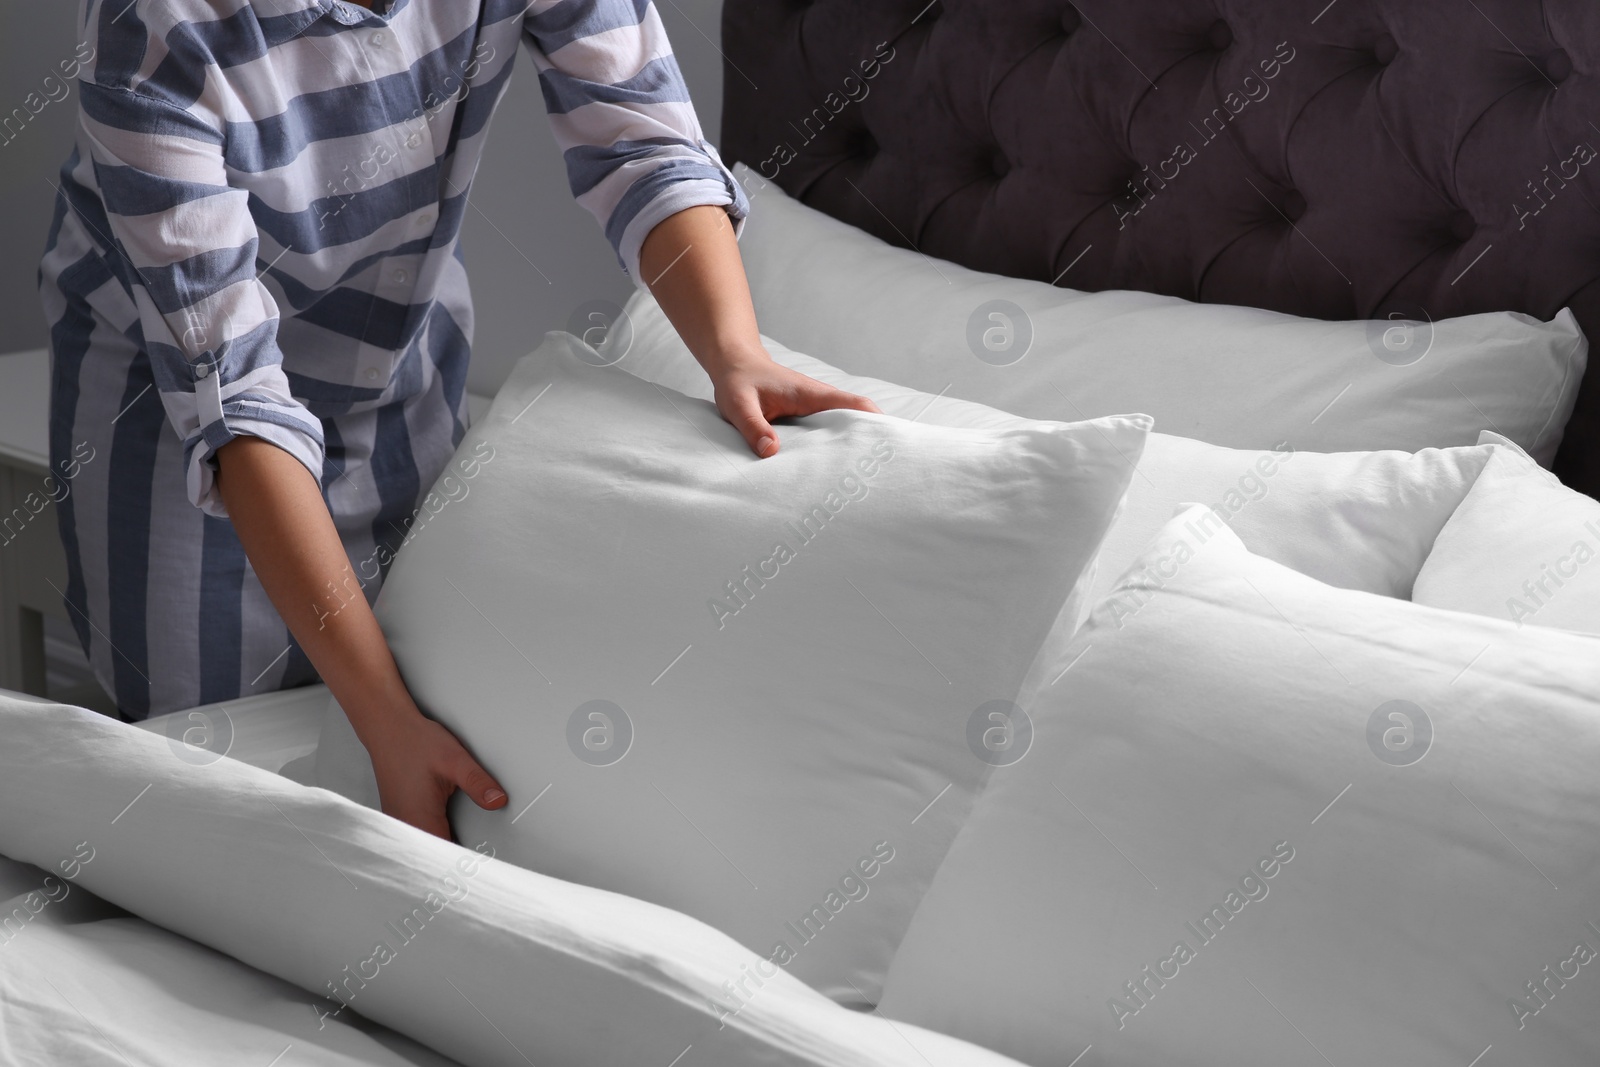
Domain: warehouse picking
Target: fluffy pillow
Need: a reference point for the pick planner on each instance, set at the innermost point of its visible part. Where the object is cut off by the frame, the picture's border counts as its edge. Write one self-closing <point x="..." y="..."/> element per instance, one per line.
<point x="1263" y="820"/>
<point x="738" y="687"/>
<point x="1358" y="520"/>
<point x="485" y="962"/>
<point x="1234" y="376"/>
<point x="1521" y="546"/>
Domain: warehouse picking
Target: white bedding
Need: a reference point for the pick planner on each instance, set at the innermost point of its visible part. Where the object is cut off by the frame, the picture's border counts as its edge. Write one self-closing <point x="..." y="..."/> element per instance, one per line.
<point x="1357" y="520"/>
<point x="510" y="967"/>
<point x="83" y="982"/>
<point x="1236" y="376"/>
<point x="1265" y="821"/>
<point x="776" y="750"/>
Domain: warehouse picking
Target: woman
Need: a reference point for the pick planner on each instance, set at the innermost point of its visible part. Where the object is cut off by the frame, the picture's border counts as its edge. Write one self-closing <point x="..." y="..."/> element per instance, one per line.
<point x="256" y="245"/>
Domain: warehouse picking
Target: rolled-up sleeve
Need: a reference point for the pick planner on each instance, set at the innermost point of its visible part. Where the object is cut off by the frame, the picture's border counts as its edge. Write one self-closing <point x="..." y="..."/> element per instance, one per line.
<point x="186" y="245"/>
<point x="621" y="113"/>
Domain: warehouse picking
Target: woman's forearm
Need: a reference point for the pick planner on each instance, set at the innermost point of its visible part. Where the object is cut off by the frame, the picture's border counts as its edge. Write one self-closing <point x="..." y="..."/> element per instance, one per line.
<point x="690" y="261"/>
<point x="283" y="522"/>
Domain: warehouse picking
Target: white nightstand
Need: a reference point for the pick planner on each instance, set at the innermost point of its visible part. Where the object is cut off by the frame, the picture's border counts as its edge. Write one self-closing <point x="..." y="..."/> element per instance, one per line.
<point x="32" y="566"/>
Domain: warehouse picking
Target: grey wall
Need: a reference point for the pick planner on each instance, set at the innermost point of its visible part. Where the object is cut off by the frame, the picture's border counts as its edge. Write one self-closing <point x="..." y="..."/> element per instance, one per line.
<point x="534" y="255"/>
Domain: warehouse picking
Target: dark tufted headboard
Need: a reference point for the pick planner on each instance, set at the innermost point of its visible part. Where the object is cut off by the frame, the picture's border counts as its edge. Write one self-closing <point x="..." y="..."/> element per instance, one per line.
<point x="1344" y="160"/>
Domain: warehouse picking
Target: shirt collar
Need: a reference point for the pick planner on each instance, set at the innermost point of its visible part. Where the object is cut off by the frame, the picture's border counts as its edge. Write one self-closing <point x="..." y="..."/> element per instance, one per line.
<point x="308" y="11"/>
<point x="304" y="11"/>
<point x="365" y="15"/>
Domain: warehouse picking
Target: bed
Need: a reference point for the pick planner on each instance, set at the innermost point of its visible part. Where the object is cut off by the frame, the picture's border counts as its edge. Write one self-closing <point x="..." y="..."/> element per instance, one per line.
<point x="1401" y="168"/>
<point x="1198" y="662"/>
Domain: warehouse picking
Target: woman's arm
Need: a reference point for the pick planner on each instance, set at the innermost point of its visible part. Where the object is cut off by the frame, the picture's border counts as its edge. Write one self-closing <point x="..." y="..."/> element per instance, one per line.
<point x="691" y="263"/>
<point x="209" y="328"/>
<point x="638" y="161"/>
<point x="283" y="522"/>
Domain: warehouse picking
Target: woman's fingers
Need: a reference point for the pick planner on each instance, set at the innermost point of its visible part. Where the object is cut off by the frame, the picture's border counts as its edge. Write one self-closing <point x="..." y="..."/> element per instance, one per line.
<point x="419" y="771"/>
<point x="435" y="822"/>
<point x="423" y="809"/>
<point x="828" y="398"/>
<point x="749" y="403"/>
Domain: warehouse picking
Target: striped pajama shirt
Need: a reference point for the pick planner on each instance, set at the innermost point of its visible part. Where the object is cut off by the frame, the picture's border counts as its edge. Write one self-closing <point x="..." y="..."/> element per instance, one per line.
<point x="257" y="233"/>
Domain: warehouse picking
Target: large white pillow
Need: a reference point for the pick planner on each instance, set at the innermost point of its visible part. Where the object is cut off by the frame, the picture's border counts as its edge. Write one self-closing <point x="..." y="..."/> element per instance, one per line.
<point x="1234" y="376"/>
<point x="1358" y="520"/>
<point x="739" y="687"/>
<point x="485" y="962"/>
<point x="1266" y="821"/>
<point x="1521" y="546"/>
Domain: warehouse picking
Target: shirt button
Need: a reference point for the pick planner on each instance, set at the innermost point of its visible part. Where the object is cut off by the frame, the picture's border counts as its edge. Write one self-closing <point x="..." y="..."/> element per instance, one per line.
<point x="379" y="39"/>
<point x="414" y="141"/>
<point x="401" y="276"/>
<point x="425" y="219"/>
<point x="202" y="370"/>
<point x="372" y="373"/>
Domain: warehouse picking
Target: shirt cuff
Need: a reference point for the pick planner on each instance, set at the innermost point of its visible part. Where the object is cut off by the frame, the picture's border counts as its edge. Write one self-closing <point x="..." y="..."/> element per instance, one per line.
<point x="671" y="190"/>
<point x="294" y="430"/>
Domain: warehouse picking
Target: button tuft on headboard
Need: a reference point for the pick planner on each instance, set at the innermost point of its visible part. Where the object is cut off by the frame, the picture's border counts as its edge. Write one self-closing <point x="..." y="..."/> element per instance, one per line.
<point x="1293" y="205"/>
<point x="1462" y="225"/>
<point x="1071" y="21"/>
<point x="999" y="165"/>
<point x="1557" y="66"/>
<point x="1220" y="35"/>
<point x="1384" y="49"/>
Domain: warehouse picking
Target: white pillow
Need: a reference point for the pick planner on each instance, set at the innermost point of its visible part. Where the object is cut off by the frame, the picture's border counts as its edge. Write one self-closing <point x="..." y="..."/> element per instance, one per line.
<point x="1358" y="520"/>
<point x="1379" y="800"/>
<point x="1521" y="546"/>
<point x="1234" y="376"/>
<point x="485" y="962"/>
<point x="702" y="689"/>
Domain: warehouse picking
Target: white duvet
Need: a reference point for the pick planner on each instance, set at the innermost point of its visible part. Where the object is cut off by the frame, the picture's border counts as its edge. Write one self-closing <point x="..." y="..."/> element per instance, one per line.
<point x="84" y="982"/>
<point x="318" y="909"/>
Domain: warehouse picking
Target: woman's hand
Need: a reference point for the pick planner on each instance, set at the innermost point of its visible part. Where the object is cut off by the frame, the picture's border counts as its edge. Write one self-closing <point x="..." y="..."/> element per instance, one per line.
<point x="280" y="516"/>
<point x="691" y="264"/>
<point x="419" y="764"/>
<point x="753" y="390"/>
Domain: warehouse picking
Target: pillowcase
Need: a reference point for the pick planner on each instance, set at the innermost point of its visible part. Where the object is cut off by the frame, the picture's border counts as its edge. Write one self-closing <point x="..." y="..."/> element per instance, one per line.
<point x="1234" y="376"/>
<point x="1521" y="546"/>
<point x="738" y="687"/>
<point x="1358" y="520"/>
<point x="1263" y="820"/>
<point x="483" y="961"/>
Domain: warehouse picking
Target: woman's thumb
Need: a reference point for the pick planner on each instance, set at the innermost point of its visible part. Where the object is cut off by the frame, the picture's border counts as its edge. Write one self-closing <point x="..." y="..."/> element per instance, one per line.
<point x="756" y="430"/>
<point x="483" y="789"/>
